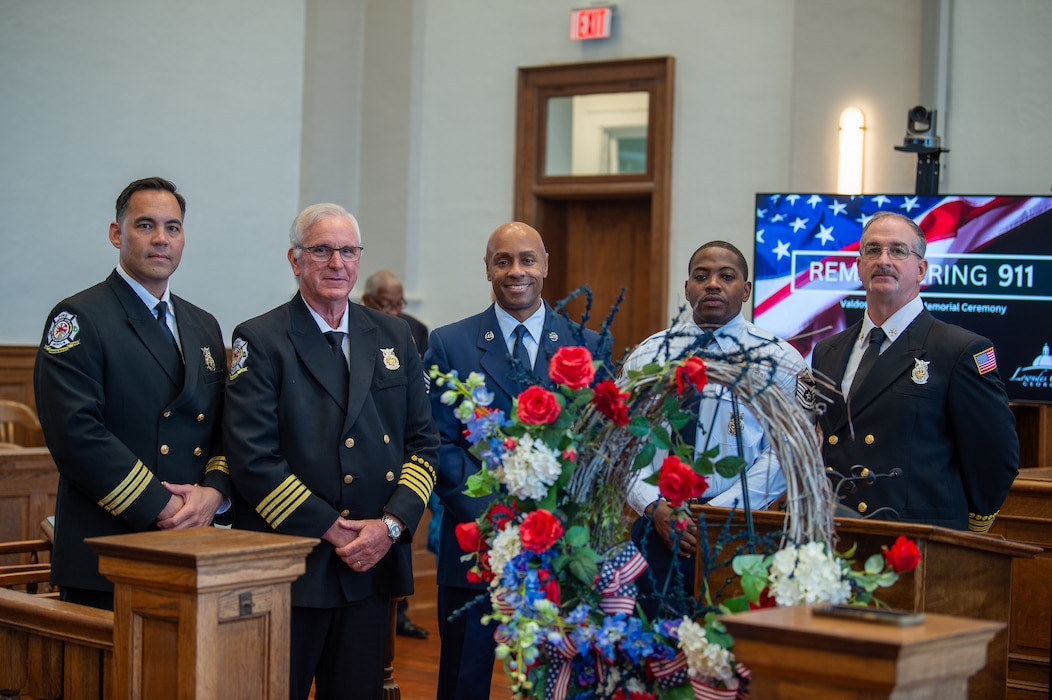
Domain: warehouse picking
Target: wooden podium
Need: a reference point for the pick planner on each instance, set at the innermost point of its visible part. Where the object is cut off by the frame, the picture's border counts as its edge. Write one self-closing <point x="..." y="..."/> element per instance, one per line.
<point x="795" y="655"/>
<point x="960" y="573"/>
<point x="201" y="613"/>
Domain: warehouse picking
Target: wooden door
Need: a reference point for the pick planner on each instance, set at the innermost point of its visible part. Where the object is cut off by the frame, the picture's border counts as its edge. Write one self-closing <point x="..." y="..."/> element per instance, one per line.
<point x="604" y="245"/>
<point x="604" y="231"/>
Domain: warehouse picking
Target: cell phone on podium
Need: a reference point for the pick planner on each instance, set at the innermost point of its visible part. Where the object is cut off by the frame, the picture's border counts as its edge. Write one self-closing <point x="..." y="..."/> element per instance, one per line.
<point x="899" y="618"/>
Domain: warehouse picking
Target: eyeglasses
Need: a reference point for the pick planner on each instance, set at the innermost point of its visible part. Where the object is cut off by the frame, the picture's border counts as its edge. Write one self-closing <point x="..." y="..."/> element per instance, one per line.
<point x="385" y="305"/>
<point x="898" y="251"/>
<point x="323" y="253"/>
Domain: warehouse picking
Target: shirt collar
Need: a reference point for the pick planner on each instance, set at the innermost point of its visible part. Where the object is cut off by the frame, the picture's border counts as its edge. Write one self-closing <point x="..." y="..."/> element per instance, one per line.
<point x="323" y="324"/>
<point x="896" y="323"/>
<point x="726" y="336"/>
<point x="508" y="323"/>
<point x="149" y="299"/>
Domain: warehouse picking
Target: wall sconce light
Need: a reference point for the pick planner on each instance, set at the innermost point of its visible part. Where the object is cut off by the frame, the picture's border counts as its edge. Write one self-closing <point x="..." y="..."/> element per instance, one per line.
<point x="852" y="142"/>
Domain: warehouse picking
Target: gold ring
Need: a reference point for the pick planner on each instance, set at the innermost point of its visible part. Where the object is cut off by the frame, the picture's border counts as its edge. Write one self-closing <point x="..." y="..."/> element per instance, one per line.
<point x="358" y="563"/>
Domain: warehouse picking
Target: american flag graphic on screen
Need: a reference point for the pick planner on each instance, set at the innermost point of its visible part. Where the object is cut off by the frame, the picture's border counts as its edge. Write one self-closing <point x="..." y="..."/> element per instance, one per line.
<point x="807" y="247"/>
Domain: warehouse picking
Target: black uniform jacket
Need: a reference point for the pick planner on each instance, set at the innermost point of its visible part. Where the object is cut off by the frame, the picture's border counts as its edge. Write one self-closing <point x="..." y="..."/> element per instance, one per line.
<point x="926" y="409"/>
<point x="305" y="450"/>
<point x="121" y="413"/>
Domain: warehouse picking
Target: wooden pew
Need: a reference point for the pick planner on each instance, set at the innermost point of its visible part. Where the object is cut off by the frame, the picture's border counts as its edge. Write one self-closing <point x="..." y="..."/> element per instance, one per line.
<point x="55" y="649"/>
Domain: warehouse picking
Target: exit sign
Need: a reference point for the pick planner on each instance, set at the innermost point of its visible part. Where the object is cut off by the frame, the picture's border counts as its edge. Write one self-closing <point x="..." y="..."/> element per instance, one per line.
<point x="591" y="22"/>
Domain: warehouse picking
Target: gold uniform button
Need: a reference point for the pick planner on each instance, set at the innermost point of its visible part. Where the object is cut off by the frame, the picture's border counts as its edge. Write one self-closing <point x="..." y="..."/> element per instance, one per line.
<point x="390" y="476"/>
<point x="862" y="507"/>
<point x="387" y="439"/>
<point x="870" y="439"/>
<point x="347" y="478"/>
<point x="349" y="442"/>
<point x="164" y="449"/>
<point x="166" y="414"/>
<point x="833" y="439"/>
<point x="200" y="417"/>
<point x="344" y="513"/>
<point x="197" y="452"/>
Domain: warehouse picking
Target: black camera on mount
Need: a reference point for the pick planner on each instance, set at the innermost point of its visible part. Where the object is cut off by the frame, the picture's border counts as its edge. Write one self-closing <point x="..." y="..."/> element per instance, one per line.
<point x="921" y="139"/>
<point x="920" y="129"/>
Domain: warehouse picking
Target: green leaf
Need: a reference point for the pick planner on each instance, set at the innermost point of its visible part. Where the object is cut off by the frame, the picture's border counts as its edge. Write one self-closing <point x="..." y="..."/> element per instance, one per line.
<point x="583" y="569"/>
<point x="737" y="604"/>
<point x="875" y="564"/>
<point x="645" y="456"/>
<point x="680" y="692"/>
<point x="576" y="536"/>
<point x="730" y="466"/>
<point x="660" y="437"/>
<point x="639" y="426"/>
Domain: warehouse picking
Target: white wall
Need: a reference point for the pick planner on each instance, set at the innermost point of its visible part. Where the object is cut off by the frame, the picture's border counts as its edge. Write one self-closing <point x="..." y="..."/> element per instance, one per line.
<point x="404" y="111"/>
<point x="97" y="94"/>
<point x="998" y="122"/>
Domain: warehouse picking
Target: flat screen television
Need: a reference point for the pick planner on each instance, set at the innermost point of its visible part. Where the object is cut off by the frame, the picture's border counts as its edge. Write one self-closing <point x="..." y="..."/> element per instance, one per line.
<point x="990" y="270"/>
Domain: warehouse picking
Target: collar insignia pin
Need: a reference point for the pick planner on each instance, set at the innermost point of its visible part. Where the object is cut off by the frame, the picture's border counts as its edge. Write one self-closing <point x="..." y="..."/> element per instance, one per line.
<point x="554" y="337"/>
<point x="919" y="375"/>
<point x="390" y="360"/>
<point x="489" y="335"/>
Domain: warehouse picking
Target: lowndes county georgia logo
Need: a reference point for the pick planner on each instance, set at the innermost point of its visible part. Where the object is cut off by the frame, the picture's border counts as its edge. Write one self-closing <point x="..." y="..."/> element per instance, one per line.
<point x="1038" y="375"/>
<point x="238" y="358"/>
<point x="61" y="336"/>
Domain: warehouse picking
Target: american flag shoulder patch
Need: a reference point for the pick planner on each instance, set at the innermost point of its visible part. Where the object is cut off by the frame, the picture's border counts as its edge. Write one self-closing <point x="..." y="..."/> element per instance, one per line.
<point x="985" y="361"/>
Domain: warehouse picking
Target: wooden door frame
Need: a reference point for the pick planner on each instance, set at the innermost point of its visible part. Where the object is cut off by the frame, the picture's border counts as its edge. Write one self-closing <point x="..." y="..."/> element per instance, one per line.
<point x="653" y="75"/>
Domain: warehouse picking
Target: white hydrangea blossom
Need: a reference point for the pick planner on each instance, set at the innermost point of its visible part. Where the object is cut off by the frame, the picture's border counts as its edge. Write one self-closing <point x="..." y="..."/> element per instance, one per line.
<point x="806" y="575"/>
<point x="704" y="659"/>
<point x="529" y="469"/>
<point x="506" y="546"/>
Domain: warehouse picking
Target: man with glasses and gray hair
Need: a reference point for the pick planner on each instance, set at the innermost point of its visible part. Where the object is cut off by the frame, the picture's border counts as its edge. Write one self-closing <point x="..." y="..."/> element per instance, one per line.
<point x="915" y="401"/>
<point x="331" y="434"/>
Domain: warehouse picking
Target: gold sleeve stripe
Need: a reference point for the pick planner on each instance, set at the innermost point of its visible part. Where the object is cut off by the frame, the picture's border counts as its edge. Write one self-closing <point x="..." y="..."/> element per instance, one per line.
<point x="283" y="501"/>
<point x="217" y="463"/>
<point x="980" y="523"/>
<point x="118" y="500"/>
<point x="418" y="476"/>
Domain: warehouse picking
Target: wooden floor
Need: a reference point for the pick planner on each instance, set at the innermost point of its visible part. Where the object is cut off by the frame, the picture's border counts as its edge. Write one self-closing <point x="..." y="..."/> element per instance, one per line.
<point x="416" y="660"/>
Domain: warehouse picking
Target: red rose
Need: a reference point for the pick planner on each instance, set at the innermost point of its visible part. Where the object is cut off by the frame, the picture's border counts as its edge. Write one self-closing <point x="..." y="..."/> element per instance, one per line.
<point x="549" y="586"/>
<point x="678" y="481"/>
<point x="537" y="406"/>
<point x="572" y="366"/>
<point x="500" y="515"/>
<point x="692" y="370"/>
<point x="539" y="531"/>
<point x="903" y="555"/>
<point x="468" y="536"/>
<point x="766" y="600"/>
<point x="610" y="401"/>
<point x="570" y="454"/>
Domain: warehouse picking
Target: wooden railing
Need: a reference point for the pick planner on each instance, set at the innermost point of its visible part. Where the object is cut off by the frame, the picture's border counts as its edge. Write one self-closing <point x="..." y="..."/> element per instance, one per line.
<point x="50" y="649"/>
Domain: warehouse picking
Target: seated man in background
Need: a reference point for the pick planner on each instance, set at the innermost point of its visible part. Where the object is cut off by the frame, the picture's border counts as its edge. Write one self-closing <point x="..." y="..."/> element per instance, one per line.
<point x="383" y="293"/>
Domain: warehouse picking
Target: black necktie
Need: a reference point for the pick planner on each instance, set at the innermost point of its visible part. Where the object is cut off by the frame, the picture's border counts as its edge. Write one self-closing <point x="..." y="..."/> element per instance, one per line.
<point x="335" y="339"/>
<point x="161" y="311"/>
<point x="518" y="350"/>
<point x="877" y="336"/>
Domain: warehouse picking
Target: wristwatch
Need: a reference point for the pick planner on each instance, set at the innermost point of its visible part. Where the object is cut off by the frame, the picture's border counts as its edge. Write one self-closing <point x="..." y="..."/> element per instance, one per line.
<point x="394" y="529"/>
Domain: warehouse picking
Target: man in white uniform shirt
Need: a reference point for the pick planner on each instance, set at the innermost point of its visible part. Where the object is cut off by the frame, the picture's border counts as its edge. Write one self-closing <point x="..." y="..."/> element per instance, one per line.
<point x="715" y="290"/>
